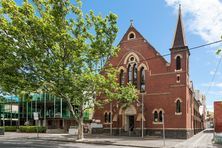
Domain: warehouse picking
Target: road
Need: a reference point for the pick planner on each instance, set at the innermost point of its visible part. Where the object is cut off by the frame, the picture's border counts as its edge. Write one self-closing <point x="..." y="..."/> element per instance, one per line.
<point x="21" y="140"/>
<point x="30" y="143"/>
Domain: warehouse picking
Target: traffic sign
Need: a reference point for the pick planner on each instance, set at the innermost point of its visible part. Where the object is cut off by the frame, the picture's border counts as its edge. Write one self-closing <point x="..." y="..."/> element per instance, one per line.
<point x="36" y="115"/>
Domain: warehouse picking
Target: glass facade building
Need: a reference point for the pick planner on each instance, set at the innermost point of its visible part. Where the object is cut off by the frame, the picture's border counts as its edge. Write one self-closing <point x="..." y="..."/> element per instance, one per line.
<point x="53" y="112"/>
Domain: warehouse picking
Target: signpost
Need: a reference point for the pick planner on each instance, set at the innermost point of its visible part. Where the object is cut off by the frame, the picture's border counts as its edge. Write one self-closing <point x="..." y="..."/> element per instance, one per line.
<point x="36" y="118"/>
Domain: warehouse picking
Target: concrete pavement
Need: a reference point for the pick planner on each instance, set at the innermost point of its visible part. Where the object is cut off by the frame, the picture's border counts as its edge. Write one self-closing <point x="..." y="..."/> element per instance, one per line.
<point x="201" y="140"/>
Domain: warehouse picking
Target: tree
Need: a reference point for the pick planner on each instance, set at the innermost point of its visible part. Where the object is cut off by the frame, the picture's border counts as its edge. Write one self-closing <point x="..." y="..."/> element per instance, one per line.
<point x="51" y="46"/>
<point x="219" y="50"/>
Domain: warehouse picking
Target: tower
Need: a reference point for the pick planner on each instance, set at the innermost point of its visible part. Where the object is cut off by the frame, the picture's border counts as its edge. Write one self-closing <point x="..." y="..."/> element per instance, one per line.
<point x="179" y="50"/>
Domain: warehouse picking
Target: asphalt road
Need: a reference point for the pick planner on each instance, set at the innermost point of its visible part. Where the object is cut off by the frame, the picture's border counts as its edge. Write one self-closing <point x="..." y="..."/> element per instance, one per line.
<point x="32" y="143"/>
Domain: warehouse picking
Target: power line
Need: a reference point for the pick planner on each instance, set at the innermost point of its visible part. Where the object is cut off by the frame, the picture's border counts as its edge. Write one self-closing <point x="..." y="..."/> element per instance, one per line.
<point x="214" y="75"/>
<point x="177" y="51"/>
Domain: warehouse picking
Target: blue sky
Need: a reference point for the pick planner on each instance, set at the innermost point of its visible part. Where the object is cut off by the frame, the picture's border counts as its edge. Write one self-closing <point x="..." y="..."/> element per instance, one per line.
<point x="156" y="21"/>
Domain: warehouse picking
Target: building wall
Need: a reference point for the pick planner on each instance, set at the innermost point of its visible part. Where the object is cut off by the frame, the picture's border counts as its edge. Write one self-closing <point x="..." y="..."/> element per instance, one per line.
<point x="162" y="87"/>
<point x="218" y="116"/>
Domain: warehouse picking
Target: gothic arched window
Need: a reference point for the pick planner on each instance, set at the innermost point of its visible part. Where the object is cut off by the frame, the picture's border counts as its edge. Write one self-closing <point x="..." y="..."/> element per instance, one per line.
<point x="106" y="117"/>
<point x="155" y="116"/>
<point x="178" y="106"/>
<point x="160" y="116"/>
<point x="109" y="118"/>
<point x="178" y="63"/>
<point x="121" y="77"/>
<point x="130" y="76"/>
<point x="135" y="75"/>
<point x="142" y="79"/>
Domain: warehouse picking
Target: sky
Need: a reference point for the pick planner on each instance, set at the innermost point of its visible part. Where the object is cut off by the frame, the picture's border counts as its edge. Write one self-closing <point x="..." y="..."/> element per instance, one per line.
<point x="156" y="21"/>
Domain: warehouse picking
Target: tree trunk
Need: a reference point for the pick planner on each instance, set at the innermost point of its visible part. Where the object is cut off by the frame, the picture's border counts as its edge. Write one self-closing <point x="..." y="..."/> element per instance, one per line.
<point x="79" y="120"/>
<point x="80" y="128"/>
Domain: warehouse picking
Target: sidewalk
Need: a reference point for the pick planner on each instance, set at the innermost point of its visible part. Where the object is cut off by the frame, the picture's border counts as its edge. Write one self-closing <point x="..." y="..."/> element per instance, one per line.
<point x="101" y="139"/>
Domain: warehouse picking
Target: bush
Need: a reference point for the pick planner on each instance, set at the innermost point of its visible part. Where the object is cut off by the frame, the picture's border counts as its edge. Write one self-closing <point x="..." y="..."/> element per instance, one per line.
<point x="10" y="128"/>
<point x="32" y="129"/>
<point x="2" y="130"/>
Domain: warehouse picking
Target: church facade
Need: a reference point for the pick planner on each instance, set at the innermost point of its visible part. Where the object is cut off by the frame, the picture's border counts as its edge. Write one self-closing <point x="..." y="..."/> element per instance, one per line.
<point x="166" y="96"/>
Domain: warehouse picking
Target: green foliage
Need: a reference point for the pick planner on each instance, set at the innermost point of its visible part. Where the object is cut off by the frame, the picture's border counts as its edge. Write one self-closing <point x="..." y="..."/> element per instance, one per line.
<point x="10" y="128"/>
<point x="32" y="129"/>
<point x="218" y="51"/>
<point x="52" y="47"/>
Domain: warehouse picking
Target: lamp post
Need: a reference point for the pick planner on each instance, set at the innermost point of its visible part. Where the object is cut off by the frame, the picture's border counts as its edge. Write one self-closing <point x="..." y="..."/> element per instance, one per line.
<point x="163" y="131"/>
<point x="111" y="122"/>
<point x="142" y="113"/>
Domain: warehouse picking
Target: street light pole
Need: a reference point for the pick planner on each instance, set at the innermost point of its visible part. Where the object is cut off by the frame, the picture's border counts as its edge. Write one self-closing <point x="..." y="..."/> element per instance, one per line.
<point x="142" y="113"/>
<point x="163" y="131"/>
<point x="111" y="122"/>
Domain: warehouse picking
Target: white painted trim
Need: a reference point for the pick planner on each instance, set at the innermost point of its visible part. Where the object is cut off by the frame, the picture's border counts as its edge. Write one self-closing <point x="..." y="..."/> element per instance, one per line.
<point x="128" y="37"/>
<point x="142" y="65"/>
<point x="178" y="55"/>
<point x="178" y="114"/>
<point x="130" y="55"/>
<point x="122" y="68"/>
<point x="179" y="100"/>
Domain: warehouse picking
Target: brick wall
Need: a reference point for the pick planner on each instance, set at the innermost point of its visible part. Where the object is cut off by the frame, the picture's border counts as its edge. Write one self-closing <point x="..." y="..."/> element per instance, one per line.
<point x="218" y="116"/>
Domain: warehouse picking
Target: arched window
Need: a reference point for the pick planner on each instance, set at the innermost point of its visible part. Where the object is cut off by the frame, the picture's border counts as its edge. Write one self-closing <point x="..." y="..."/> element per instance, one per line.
<point x="178" y="106"/>
<point x="106" y="117"/>
<point x="142" y="79"/>
<point x="132" y="36"/>
<point x="135" y="75"/>
<point x="130" y="76"/>
<point x="155" y="115"/>
<point x="160" y="116"/>
<point x="109" y="118"/>
<point x="121" y="77"/>
<point x="178" y="63"/>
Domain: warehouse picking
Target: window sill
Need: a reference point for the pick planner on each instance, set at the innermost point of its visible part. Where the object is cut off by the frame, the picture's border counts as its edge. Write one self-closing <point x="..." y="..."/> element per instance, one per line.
<point x="180" y="70"/>
<point x="107" y="123"/>
<point x="157" y="122"/>
<point x="178" y="113"/>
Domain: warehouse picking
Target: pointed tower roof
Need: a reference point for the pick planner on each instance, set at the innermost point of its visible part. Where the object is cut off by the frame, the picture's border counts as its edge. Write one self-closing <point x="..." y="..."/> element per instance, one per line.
<point x="179" y="37"/>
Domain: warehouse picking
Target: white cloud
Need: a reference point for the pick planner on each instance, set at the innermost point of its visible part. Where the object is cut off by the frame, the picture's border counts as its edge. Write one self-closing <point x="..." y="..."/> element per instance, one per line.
<point x="203" y="17"/>
<point x="219" y="84"/>
<point x="213" y="73"/>
<point x="219" y="93"/>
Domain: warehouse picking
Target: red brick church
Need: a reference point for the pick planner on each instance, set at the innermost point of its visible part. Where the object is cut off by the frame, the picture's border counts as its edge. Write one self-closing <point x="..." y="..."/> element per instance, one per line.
<point x="164" y="85"/>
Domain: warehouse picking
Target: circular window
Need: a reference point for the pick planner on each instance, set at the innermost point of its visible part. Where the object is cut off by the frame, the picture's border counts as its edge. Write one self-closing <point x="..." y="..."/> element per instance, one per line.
<point x="132" y="59"/>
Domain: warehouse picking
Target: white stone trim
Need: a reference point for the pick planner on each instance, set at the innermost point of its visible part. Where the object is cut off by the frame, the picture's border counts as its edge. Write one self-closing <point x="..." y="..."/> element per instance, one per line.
<point x="122" y="68"/>
<point x="178" y="55"/>
<point x="178" y="114"/>
<point x="142" y="65"/>
<point x="131" y="32"/>
<point x="178" y="75"/>
<point x="179" y="100"/>
<point x="155" y="110"/>
<point x="130" y="55"/>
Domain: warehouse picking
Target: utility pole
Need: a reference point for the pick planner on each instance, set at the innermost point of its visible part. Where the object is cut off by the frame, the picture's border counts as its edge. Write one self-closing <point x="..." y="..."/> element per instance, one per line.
<point x="142" y="114"/>
<point x="163" y="131"/>
<point x="11" y="111"/>
<point x="111" y="123"/>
